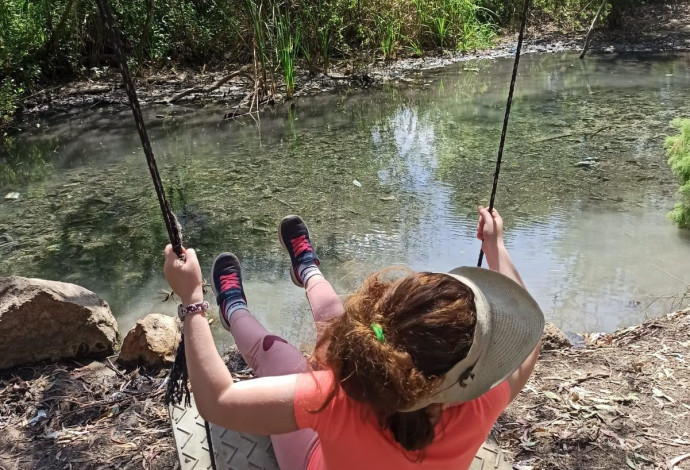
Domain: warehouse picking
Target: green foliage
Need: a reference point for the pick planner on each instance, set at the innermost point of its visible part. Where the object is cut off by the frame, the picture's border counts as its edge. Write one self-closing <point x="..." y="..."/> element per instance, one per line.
<point x="389" y="30"/>
<point x="58" y="39"/>
<point x="567" y="14"/>
<point x="287" y="46"/>
<point x="9" y="100"/>
<point x="321" y="22"/>
<point x="678" y="151"/>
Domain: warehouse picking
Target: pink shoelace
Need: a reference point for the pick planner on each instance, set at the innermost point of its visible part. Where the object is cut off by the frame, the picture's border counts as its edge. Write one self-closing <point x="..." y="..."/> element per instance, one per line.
<point x="229" y="281"/>
<point x="300" y="245"/>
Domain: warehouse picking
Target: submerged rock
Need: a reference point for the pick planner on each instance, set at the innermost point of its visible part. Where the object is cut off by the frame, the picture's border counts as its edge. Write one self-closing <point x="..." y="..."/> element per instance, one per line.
<point x="152" y="342"/>
<point x="49" y="320"/>
<point x="554" y="338"/>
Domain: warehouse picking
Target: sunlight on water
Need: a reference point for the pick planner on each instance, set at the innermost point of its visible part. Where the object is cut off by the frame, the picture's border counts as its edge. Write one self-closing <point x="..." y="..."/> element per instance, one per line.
<point x="591" y="241"/>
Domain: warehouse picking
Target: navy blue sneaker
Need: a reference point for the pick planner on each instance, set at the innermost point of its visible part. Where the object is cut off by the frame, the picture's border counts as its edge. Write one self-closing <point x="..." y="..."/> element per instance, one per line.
<point x="227" y="285"/>
<point x="294" y="237"/>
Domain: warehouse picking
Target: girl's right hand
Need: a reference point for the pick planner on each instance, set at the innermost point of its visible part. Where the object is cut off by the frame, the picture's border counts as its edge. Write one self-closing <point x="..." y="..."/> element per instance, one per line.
<point x="184" y="276"/>
<point x="490" y="230"/>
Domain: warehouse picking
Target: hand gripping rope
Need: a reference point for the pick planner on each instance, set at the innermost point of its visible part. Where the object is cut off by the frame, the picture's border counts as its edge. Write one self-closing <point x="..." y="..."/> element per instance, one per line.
<point x="506" y="117"/>
<point x="177" y="388"/>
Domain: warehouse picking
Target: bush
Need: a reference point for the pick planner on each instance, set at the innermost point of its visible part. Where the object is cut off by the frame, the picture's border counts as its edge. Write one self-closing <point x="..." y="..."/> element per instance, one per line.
<point x="49" y="39"/>
<point x="678" y="150"/>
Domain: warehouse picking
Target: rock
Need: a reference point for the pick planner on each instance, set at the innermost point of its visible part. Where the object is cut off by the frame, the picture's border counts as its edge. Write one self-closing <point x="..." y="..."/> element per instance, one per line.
<point x="554" y="338"/>
<point x="152" y="342"/>
<point x="49" y="320"/>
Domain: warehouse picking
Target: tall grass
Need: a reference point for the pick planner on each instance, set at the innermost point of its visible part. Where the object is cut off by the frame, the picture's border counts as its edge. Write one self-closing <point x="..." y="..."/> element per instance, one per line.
<point x="390" y="32"/>
<point x="257" y="25"/>
<point x="287" y="46"/>
<point x="59" y="39"/>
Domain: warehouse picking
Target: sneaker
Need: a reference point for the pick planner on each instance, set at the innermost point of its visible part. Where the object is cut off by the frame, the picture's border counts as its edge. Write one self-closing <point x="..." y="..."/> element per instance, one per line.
<point x="227" y="284"/>
<point x="294" y="237"/>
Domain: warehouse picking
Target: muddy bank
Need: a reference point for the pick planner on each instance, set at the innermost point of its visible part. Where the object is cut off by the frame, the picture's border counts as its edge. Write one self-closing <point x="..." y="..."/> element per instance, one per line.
<point x="620" y="401"/>
<point x="651" y="28"/>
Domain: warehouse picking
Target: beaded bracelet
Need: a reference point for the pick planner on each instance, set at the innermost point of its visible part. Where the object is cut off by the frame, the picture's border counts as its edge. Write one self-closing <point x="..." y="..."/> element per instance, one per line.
<point x="184" y="310"/>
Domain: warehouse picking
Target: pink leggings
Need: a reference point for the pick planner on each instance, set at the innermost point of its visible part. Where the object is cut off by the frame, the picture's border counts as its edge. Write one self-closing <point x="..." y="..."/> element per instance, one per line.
<point x="270" y="355"/>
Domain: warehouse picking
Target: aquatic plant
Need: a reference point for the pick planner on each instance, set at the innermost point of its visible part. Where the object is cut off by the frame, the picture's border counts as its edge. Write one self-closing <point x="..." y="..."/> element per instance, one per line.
<point x="22" y="164"/>
<point x="390" y="30"/>
<point x="678" y="151"/>
<point x="258" y="28"/>
<point x="318" y="23"/>
<point x="287" y="46"/>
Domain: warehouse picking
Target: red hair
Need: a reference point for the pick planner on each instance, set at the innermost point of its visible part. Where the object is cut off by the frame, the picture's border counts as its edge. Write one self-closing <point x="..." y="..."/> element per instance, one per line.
<point x="428" y="323"/>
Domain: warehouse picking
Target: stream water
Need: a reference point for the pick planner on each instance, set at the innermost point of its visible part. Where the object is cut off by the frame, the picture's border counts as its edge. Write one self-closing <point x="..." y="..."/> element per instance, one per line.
<point x="386" y="176"/>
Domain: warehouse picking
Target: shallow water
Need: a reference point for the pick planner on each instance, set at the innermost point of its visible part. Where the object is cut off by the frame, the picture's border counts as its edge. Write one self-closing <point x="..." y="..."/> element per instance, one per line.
<point x="593" y="244"/>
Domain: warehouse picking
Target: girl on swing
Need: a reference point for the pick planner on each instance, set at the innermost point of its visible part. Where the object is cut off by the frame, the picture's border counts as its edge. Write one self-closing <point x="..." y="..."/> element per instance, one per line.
<point x="410" y="372"/>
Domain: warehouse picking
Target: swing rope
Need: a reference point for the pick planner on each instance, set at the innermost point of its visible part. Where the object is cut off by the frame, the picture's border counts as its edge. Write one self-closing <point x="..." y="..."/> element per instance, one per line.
<point x="177" y="388"/>
<point x="506" y="117"/>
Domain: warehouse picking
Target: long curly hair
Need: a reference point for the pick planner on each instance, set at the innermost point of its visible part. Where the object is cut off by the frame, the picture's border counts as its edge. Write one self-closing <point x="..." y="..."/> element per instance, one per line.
<point x="428" y="322"/>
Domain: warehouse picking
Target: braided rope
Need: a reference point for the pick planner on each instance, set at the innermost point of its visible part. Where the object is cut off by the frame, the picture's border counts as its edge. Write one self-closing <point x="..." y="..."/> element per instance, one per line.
<point x="177" y="389"/>
<point x="171" y="224"/>
<point x="506" y="118"/>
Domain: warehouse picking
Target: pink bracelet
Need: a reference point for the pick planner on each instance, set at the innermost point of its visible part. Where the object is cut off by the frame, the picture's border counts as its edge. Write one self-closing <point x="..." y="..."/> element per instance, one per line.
<point x="184" y="310"/>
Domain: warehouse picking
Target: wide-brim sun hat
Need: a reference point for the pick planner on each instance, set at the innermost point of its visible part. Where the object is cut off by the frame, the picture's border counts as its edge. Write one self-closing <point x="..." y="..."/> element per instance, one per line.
<point x="508" y="327"/>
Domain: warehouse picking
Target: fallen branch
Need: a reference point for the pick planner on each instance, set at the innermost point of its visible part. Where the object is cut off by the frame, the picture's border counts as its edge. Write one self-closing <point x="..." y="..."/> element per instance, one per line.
<point x="559" y="136"/>
<point x="215" y="86"/>
<point x="591" y="28"/>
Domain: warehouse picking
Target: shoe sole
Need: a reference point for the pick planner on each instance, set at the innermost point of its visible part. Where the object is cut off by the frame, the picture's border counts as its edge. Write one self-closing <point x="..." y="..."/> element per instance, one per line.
<point x="221" y="315"/>
<point x="293" y="276"/>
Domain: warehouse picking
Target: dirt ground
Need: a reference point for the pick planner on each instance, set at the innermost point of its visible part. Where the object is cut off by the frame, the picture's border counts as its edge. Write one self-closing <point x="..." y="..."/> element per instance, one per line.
<point x="655" y="27"/>
<point x="620" y="401"/>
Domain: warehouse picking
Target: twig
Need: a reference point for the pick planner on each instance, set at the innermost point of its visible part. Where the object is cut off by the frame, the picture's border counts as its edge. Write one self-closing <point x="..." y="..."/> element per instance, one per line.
<point x="113" y="368"/>
<point x="559" y="136"/>
<point x="283" y="202"/>
<point x="591" y="27"/>
<point x="598" y="131"/>
<point x="673" y="276"/>
<point x="215" y="86"/>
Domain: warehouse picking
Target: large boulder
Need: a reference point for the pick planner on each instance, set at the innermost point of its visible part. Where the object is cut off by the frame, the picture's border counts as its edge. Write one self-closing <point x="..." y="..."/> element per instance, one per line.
<point x="554" y="338"/>
<point x="49" y="320"/>
<point x="152" y="342"/>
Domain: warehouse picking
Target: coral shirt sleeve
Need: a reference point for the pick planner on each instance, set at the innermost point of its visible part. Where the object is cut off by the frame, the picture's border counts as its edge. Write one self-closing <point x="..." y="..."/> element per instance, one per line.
<point x="311" y="392"/>
<point x="495" y="401"/>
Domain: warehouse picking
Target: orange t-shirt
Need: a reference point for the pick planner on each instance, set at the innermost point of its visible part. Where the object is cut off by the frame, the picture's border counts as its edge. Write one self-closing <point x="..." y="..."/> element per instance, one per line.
<point x="351" y="438"/>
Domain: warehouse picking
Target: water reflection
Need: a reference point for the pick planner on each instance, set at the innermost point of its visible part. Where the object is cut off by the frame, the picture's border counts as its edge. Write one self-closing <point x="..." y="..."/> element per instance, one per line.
<point x="593" y="244"/>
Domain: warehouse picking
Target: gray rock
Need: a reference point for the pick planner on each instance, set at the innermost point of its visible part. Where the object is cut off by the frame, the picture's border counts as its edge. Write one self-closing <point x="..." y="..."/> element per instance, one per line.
<point x="48" y="320"/>
<point x="152" y="342"/>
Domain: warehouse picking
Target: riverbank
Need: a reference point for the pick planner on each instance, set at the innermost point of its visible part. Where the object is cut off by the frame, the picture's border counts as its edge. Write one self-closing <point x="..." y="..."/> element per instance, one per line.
<point x="620" y="401"/>
<point x="649" y="28"/>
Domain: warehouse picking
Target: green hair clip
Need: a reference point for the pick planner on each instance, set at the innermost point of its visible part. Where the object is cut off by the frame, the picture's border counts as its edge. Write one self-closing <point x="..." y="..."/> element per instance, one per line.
<point x="378" y="330"/>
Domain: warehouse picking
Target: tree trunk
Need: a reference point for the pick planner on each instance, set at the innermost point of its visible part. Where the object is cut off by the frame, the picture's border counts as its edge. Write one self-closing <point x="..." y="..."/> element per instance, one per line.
<point x="54" y="32"/>
<point x="145" y="34"/>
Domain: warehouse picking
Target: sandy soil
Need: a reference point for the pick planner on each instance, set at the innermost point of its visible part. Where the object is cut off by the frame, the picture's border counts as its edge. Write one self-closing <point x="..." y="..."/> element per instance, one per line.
<point x="620" y="401"/>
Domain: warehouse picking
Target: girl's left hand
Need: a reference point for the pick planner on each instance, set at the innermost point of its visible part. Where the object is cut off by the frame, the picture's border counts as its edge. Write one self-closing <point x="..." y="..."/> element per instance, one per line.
<point x="184" y="277"/>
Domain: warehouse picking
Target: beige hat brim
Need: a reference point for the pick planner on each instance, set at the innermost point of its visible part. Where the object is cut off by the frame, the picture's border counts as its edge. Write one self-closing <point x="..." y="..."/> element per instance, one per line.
<point x="514" y="325"/>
